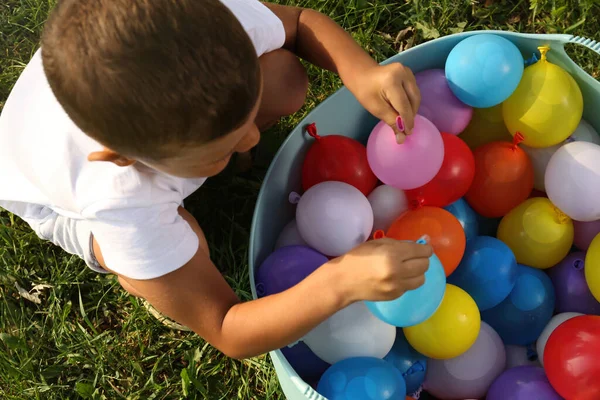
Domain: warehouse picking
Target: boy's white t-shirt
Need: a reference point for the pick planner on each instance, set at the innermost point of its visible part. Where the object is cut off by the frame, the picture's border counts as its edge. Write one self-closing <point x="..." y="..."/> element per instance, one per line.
<point x="45" y="177"/>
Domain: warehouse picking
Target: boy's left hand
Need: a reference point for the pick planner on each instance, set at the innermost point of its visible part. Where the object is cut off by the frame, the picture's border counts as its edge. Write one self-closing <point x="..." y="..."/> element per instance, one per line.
<point x="387" y="91"/>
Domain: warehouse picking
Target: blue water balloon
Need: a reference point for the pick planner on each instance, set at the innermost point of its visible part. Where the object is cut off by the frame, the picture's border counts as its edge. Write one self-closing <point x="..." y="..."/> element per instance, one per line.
<point x="523" y="315"/>
<point x="466" y="216"/>
<point x="488" y="271"/>
<point x="484" y="70"/>
<point x="414" y="306"/>
<point x="362" y="378"/>
<point x="411" y="364"/>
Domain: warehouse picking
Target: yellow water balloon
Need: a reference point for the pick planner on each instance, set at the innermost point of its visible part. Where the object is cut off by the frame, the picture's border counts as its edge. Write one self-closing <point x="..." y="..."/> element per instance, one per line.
<point x="592" y="267"/>
<point x="547" y="105"/>
<point x="451" y="330"/>
<point x="538" y="233"/>
<point x="486" y="126"/>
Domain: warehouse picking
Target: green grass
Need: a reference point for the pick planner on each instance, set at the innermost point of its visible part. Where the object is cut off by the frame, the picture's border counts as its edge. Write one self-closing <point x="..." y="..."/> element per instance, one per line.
<point x="87" y="338"/>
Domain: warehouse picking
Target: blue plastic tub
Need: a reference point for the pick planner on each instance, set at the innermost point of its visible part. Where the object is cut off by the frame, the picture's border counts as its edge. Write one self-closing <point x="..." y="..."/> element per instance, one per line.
<point x="342" y="114"/>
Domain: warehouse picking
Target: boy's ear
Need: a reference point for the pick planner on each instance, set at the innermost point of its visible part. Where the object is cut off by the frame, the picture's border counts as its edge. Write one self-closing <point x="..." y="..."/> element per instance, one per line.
<point x="110" y="156"/>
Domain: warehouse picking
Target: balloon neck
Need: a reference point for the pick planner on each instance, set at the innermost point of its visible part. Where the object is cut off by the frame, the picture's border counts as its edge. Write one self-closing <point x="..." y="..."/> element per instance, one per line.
<point x="518" y="139"/>
<point x="424" y="239"/>
<point x="311" y="129"/>
<point x="260" y="289"/>
<point x="417" y="203"/>
<point x="543" y="52"/>
<point x="416" y="367"/>
<point x="532" y="60"/>
<point x="400" y="124"/>
<point x="578" y="264"/>
<point x="532" y="354"/>
<point x="561" y="217"/>
<point x="378" y="234"/>
<point x="294" y="198"/>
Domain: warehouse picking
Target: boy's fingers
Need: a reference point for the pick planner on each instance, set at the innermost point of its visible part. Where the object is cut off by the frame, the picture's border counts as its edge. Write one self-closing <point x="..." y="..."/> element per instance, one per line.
<point x="419" y="251"/>
<point x="416" y="267"/>
<point x="413" y="93"/>
<point x="399" y="102"/>
<point x="389" y="116"/>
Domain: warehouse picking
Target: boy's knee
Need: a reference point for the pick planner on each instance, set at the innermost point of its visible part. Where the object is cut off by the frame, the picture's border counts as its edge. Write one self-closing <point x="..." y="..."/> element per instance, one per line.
<point x="284" y="78"/>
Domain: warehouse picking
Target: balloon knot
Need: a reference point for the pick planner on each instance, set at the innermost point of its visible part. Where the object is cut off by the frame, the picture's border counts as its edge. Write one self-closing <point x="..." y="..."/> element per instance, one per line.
<point x="311" y="129"/>
<point x="294" y="198"/>
<point x="532" y="354"/>
<point x="518" y="139"/>
<point x="561" y="217"/>
<point x="543" y="51"/>
<point x="416" y="367"/>
<point x="417" y="203"/>
<point x="378" y="234"/>
<point x="578" y="264"/>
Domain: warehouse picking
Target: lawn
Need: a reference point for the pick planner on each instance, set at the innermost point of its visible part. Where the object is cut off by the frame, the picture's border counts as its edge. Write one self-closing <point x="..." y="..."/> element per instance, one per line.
<point x="84" y="337"/>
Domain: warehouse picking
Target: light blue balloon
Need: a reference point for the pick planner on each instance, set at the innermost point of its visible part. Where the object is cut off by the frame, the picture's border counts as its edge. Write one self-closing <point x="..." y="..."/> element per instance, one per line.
<point x="466" y="216"/>
<point x="362" y="378"/>
<point x="484" y="70"/>
<point x="488" y="271"/>
<point x="523" y="315"/>
<point x="411" y="364"/>
<point x="414" y="306"/>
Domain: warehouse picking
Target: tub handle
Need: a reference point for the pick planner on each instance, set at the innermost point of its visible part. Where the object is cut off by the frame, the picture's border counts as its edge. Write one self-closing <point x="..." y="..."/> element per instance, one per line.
<point x="312" y="394"/>
<point x="589" y="43"/>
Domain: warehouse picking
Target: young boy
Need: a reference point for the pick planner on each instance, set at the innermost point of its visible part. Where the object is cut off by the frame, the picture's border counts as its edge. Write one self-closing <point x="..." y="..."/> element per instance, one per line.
<point x="131" y="104"/>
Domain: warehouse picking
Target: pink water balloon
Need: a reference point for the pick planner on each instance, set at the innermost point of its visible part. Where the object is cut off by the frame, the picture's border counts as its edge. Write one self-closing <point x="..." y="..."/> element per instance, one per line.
<point x="585" y="232"/>
<point x="440" y="105"/>
<point x="408" y="165"/>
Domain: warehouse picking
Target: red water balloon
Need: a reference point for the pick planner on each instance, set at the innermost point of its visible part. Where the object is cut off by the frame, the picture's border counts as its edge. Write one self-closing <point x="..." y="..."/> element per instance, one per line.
<point x="503" y="178"/>
<point x="454" y="178"/>
<point x="571" y="358"/>
<point x="337" y="158"/>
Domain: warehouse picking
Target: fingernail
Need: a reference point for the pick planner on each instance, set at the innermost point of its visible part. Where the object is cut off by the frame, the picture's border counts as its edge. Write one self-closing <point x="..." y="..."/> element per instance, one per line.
<point x="399" y="123"/>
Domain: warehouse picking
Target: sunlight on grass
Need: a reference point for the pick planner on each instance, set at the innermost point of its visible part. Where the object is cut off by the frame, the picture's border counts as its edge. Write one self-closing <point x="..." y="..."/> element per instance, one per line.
<point x="87" y="338"/>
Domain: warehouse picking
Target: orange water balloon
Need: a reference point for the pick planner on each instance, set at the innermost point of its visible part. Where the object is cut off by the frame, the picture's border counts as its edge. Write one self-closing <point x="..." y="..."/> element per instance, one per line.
<point x="446" y="234"/>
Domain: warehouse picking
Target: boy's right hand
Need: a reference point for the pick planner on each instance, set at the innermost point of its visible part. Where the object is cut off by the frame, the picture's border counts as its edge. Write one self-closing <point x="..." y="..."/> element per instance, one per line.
<point x="383" y="269"/>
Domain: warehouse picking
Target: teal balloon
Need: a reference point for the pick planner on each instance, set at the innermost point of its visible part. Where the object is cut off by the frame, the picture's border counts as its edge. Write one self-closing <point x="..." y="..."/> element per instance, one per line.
<point x="484" y="70"/>
<point x="466" y="216"/>
<point x="414" y="306"/>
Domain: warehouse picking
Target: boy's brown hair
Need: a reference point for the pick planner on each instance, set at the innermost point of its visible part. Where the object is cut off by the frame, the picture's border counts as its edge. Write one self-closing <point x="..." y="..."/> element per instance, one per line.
<point x="146" y="77"/>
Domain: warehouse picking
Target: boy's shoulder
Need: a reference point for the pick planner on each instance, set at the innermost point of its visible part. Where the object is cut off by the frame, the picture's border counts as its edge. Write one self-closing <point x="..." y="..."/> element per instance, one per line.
<point x="43" y="156"/>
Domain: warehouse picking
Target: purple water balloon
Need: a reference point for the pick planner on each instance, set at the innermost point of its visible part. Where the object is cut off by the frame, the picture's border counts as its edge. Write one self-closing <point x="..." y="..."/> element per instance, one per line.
<point x="572" y="291"/>
<point x="306" y="364"/>
<point x="440" y="105"/>
<point x="285" y="268"/>
<point x="585" y="232"/>
<point x="522" y="383"/>
<point x="470" y="374"/>
<point x="333" y="217"/>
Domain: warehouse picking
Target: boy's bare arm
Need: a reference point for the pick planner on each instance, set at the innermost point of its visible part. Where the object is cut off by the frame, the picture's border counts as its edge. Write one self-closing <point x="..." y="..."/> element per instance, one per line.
<point x="385" y="91"/>
<point x="197" y="296"/>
